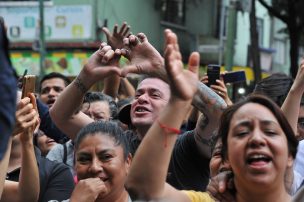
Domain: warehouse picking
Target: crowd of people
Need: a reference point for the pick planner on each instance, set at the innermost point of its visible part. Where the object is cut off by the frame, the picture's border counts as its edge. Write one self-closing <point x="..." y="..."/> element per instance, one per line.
<point x="170" y="138"/>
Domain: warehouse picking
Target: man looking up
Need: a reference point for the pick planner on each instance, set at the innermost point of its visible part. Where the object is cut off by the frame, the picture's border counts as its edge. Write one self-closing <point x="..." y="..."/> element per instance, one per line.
<point x="51" y="85"/>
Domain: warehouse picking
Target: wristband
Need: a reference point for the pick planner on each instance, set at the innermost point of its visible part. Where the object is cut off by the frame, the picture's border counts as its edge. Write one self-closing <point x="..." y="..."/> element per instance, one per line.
<point x="168" y="130"/>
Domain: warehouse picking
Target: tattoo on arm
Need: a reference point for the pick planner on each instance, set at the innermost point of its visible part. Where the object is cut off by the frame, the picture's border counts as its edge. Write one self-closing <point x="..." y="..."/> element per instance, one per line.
<point x="206" y="99"/>
<point x="202" y="124"/>
<point x="78" y="83"/>
<point x="203" y="121"/>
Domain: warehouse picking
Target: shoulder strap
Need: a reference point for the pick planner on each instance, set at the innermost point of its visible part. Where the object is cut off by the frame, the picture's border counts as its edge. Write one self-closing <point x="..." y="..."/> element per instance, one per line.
<point x="65" y="153"/>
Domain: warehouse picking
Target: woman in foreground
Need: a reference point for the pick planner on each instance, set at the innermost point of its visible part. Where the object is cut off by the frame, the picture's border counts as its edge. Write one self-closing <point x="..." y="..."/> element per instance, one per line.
<point x="258" y="143"/>
<point x="102" y="161"/>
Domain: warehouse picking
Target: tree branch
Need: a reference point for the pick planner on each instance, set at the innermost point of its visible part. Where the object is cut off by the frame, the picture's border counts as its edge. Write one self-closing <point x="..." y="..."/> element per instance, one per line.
<point x="273" y="11"/>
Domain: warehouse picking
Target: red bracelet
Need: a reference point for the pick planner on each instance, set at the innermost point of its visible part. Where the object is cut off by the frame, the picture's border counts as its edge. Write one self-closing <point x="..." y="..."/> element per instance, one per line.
<point x="168" y="130"/>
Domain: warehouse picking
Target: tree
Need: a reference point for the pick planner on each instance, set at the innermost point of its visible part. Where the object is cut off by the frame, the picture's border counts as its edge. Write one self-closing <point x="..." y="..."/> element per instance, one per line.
<point x="291" y="13"/>
<point x="254" y="47"/>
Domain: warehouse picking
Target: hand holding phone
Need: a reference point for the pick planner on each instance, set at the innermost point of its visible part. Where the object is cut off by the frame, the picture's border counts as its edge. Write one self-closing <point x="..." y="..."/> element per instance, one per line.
<point x="213" y="73"/>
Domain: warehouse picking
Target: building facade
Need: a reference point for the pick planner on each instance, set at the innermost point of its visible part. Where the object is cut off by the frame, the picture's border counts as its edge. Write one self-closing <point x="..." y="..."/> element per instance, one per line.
<point x="73" y="31"/>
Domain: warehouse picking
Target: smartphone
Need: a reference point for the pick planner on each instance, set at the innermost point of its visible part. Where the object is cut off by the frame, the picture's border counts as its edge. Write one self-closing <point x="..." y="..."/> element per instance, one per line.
<point x="213" y="73"/>
<point x="28" y="85"/>
<point x="234" y="77"/>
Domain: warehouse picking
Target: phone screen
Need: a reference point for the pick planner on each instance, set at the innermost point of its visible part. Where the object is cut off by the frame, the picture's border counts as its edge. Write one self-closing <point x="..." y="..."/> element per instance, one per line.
<point x="234" y="77"/>
<point x="213" y="73"/>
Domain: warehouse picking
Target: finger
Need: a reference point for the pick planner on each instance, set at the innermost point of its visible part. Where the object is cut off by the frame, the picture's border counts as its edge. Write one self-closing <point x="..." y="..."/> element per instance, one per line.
<point x="220" y="83"/>
<point x="114" y="70"/>
<point x="170" y="50"/>
<point x="125" y="53"/>
<point x="214" y="193"/>
<point x="204" y="79"/>
<point x="108" y="56"/>
<point x="30" y="116"/>
<point x="24" y="110"/>
<point x="166" y="33"/>
<point x="227" y="197"/>
<point x="136" y="69"/>
<point x="101" y="188"/>
<point x="126" y="32"/>
<point x="222" y="186"/>
<point x="126" y="41"/>
<point x="115" y="29"/>
<point x="173" y="62"/>
<point x="117" y="52"/>
<point x="167" y="53"/>
<point x="174" y="41"/>
<point x="223" y="180"/>
<point x="103" y="44"/>
<point x="142" y="37"/>
<point x="104" y="50"/>
<point x="27" y="117"/>
<point x="171" y="38"/>
<point x="217" y="88"/>
<point x="133" y="40"/>
<point x="194" y="62"/>
<point x="33" y="101"/>
<point x="29" y="124"/>
<point x="211" y="189"/>
<point x="122" y="28"/>
<point x="23" y="102"/>
<point x="107" y="32"/>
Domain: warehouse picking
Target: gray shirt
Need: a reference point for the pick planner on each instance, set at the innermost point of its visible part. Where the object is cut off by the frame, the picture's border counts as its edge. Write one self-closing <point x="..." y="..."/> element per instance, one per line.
<point x="57" y="154"/>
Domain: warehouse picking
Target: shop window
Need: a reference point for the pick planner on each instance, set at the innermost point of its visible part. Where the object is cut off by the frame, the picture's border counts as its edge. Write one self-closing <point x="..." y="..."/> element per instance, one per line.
<point x="280" y="55"/>
<point x="173" y="11"/>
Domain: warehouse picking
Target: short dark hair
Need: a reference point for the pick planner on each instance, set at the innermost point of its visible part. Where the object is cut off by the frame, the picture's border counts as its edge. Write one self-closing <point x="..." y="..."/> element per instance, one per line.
<point x="98" y="96"/>
<point x="269" y="104"/>
<point x="107" y="128"/>
<point x="275" y="87"/>
<point x="52" y="75"/>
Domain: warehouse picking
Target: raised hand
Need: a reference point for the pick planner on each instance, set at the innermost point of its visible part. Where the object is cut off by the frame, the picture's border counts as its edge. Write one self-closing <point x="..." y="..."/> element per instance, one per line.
<point x="115" y="40"/>
<point x="183" y="82"/>
<point x="100" y="65"/>
<point x="220" y="187"/>
<point x="144" y="58"/>
<point x="221" y="90"/>
<point x="27" y="118"/>
<point x="299" y="80"/>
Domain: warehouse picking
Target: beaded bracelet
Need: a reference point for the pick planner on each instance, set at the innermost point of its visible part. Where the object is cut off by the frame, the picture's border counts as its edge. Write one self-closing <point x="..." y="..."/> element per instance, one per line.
<point x="168" y="130"/>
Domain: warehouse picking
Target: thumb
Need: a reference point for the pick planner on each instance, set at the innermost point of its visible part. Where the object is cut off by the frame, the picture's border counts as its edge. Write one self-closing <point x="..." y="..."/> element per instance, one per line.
<point x="102" y="72"/>
<point x="33" y="101"/>
<point x="131" y="69"/>
<point x="193" y="62"/>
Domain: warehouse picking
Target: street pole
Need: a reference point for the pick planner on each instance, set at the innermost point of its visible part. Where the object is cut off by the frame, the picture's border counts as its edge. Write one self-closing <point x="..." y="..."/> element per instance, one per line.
<point x="231" y="32"/>
<point x="42" y="50"/>
<point x="222" y="25"/>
